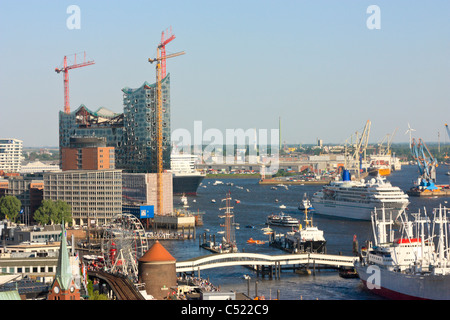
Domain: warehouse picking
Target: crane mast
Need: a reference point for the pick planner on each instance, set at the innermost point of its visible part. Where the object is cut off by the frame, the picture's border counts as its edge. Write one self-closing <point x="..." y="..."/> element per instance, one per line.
<point x="65" y="68"/>
<point x="159" y="157"/>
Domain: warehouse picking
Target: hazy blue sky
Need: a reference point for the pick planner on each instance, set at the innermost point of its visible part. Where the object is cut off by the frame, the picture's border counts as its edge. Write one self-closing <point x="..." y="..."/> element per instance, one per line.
<point x="315" y="64"/>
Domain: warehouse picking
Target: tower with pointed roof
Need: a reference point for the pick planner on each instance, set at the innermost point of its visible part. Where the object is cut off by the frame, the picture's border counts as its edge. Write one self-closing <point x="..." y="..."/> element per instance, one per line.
<point x="158" y="271"/>
<point x="64" y="286"/>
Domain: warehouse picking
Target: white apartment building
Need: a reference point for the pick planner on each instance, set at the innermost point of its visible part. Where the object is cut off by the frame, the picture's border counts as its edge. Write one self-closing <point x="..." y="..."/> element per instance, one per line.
<point x="11" y="155"/>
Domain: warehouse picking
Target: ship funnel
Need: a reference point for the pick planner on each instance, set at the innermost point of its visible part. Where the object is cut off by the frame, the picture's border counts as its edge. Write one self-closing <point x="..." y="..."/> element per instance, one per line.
<point x="346" y="175"/>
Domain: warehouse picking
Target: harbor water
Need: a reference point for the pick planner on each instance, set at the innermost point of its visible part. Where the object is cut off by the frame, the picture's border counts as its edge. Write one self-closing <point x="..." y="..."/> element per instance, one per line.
<point x="256" y="202"/>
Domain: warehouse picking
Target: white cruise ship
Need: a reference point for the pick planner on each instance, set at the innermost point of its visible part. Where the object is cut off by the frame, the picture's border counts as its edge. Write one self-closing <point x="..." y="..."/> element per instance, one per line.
<point x="185" y="178"/>
<point x="357" y="199"/>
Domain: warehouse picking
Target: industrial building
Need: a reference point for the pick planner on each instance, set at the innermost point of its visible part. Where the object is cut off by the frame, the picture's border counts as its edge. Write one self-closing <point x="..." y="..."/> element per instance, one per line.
<point x="95" y="196"/>
<point x="133" y="133"/>
<point x="10" y="155"/>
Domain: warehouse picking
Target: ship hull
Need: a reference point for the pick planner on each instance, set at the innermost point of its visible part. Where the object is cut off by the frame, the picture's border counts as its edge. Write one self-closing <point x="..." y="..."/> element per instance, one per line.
<point x="186" y="184"/>
<point x="318" y="246"/>
<point x="348" y="210"/>
<point x="401" y="286"/>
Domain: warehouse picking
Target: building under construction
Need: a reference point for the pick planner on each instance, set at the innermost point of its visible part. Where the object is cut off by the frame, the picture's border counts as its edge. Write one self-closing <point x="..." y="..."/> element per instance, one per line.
<point x="132" y="133"/>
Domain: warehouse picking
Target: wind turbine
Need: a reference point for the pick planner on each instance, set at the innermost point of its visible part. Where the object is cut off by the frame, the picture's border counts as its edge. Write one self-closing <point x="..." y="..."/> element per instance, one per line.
<point x="410" y="130"/>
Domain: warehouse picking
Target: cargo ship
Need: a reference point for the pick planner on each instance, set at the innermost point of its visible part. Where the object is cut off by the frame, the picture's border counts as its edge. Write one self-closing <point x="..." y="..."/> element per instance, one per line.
<point x="412" y="264"/>
<point x="186" y="179"/>
<point x="383" y="165"/>
<point x="352" y="199"/>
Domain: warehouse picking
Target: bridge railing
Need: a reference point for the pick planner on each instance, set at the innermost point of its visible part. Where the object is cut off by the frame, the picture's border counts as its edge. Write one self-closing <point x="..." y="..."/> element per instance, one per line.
<point x="246" y="259"/>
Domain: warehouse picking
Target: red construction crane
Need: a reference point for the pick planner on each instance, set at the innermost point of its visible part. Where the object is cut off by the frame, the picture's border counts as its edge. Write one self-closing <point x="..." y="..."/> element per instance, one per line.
<point x="170" y="36"/>
<point x="65" y="68"/>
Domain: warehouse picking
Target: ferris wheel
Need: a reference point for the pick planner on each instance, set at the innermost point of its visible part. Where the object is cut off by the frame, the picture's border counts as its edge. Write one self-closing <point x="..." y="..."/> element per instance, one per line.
<point x="123" y="243"/>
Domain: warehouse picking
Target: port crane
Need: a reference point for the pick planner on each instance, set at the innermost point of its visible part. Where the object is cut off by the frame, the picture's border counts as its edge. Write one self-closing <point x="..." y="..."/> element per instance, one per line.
<point x="65" y="68"/>
<point x="388" y="138"/>
<point x="159" y="158"/>
<point x="360" y="147"/>
<point x="426" y="163"/>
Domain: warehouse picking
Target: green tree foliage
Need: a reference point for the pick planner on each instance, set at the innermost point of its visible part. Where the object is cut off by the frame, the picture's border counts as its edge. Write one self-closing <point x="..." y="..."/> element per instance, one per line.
<point x="9" y="207"/>
<point x="53" y="212"/>
<point x="95" y="294"/>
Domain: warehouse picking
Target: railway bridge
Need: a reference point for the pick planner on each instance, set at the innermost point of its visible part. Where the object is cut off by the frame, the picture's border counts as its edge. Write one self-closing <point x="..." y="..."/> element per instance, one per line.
<point x="121" y="287"/>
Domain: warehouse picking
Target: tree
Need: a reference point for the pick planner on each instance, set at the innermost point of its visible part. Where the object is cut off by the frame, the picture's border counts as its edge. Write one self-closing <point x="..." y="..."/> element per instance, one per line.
<point x="53" y="212"/>
<point x="63" y="213"/>
<point x="43" y="213"/>
<point x="95" y="294"/>
<point x="10" y="207"/>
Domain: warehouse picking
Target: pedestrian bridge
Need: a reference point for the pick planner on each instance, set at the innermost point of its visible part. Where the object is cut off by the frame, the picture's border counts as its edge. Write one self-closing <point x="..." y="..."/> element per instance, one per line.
<point x="256" y="259"/>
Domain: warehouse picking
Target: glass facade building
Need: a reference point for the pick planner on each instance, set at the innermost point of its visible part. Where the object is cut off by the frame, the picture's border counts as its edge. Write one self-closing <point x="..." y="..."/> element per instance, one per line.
<point x="132" y="133"/>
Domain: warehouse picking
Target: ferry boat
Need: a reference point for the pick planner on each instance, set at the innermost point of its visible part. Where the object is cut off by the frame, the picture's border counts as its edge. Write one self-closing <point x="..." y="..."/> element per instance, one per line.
<point x="412" y="263"/>
<point x="281" y="220"/>
<point x="309" y="238"/>
<point x="356" y="199"/>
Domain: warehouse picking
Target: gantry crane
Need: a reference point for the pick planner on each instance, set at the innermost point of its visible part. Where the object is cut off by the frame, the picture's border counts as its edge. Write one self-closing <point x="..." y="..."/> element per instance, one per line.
<point x="159" y="158"/>
<point x="65" y="68"/>
<point x="425" y="161"/>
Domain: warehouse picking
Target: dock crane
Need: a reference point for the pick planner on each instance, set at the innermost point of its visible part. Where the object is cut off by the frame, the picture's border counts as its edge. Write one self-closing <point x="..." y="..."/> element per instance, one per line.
<point x="65" y="68"/>
<point x="388" y="138"/>
<point x="159" y="158"/>
<point x="360" y="147"/>
<point x="426" y="163"/>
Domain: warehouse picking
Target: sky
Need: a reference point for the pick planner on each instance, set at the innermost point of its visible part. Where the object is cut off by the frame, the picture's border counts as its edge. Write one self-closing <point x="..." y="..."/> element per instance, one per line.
<point x="322" y="67"/>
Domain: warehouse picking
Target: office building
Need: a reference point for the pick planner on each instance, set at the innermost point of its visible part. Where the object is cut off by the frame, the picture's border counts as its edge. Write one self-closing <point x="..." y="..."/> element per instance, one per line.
<point x="10" y="155"/>
<point x="28" y="189"/>
<point x="95" y="196"/>
<point x="141" y="189"/>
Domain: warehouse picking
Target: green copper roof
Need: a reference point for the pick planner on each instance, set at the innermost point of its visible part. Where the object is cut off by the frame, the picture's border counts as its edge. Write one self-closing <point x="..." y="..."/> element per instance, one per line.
<point x="63" y="269"/>
<point x="10" y="295"/>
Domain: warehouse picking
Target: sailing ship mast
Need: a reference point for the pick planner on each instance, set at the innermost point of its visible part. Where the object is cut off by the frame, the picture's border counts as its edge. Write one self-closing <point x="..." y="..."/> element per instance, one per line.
<point x="229" y="222"/>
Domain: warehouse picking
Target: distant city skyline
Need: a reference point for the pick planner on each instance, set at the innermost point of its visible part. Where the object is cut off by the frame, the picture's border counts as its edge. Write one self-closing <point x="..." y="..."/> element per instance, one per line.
<point x="323" y="68"/>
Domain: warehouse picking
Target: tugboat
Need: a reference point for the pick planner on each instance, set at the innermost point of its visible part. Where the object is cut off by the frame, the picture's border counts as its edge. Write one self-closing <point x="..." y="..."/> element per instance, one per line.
<point x="309" y="239"/>
<point x="305" y="204"/>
